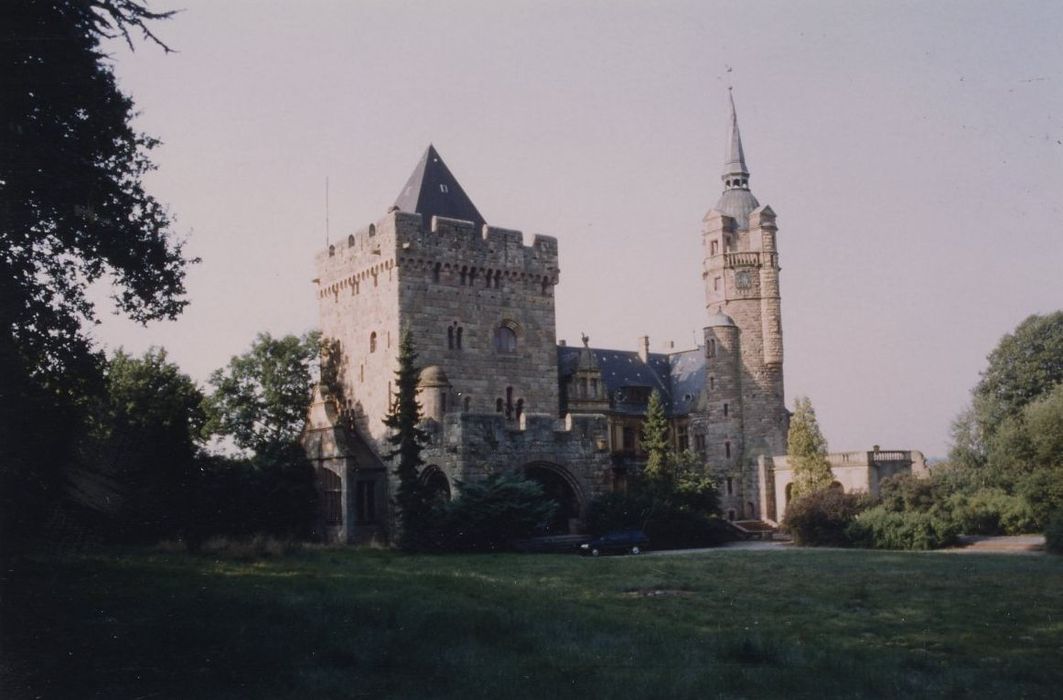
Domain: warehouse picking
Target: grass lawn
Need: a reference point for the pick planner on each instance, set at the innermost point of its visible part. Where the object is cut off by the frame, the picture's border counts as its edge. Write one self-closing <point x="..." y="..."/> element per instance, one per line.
<point x="338" y="623"/>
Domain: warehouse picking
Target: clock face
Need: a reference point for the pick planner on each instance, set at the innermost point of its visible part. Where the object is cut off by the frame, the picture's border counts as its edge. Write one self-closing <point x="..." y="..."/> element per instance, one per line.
<point x="743" y="279"/>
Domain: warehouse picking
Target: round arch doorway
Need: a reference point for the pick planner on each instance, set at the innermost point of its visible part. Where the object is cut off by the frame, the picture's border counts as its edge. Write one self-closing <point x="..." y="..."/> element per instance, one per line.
<point x="559" y="486"/>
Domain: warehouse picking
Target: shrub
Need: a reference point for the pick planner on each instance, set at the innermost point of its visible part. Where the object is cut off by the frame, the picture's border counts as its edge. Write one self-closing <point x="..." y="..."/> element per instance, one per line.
<point x="249" y="548"/>
<point x="881" y="528"/>
<point x="1043" y="490"/>
<point x="673" y="515"/>
<point x="620" y="511"/>
<point x="678" y="528"/>
<point x="992" y="511"/>
<point x="1054" y="533"/>
<point x="491" y="514"/>
<point x="820" y="519"/>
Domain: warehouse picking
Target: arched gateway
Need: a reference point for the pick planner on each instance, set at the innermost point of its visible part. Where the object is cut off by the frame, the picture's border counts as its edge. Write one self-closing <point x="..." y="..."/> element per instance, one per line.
<point x="559" y="485"/>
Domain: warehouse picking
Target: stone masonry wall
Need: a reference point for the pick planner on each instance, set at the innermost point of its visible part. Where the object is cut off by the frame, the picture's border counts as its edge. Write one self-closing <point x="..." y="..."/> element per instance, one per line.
<point x="454" y="278"/>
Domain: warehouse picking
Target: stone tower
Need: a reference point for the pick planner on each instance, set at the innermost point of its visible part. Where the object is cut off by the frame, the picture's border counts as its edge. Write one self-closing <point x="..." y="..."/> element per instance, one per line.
<point x="746" y="416"/>
<point x="478" y="302"/>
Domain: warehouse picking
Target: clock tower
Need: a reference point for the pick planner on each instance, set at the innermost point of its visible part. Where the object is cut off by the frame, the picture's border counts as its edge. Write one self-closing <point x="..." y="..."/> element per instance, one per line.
<point x="745" y="416"/>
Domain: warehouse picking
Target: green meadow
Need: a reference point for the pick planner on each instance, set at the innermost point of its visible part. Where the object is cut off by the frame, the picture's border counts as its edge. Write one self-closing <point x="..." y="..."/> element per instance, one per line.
<point x="345" y="623"/>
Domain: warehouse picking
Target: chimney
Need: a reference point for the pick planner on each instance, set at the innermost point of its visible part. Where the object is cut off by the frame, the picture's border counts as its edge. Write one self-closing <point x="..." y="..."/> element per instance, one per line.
<point x="644" y="348"/>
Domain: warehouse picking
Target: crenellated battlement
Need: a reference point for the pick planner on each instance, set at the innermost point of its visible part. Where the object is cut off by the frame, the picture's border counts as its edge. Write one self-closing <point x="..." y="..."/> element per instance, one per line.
<point x="447" y="246"/>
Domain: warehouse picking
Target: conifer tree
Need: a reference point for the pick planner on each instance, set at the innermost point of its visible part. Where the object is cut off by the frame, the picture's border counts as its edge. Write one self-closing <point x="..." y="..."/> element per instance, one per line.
<point x="807" y="450"/>
<point x="407" y="441"/>
<point x="655" y="440"/>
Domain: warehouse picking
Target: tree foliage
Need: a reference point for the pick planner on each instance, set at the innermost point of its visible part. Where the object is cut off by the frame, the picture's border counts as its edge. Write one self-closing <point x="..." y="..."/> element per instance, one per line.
<point x="407" y="440"/>
<point x="655" y="440"/>
<point x="490" y="514"/>
<point x="73" y="210"/>
<point x="807" y="450"/>
<point x="72" y="200"/>
<point x="1026" y="365"/>
<point x="145" y="438"/>
<point x="261" y="398"/>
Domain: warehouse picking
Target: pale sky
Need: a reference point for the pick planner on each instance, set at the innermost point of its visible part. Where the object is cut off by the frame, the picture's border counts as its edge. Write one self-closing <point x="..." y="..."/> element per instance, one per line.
<point x="912" y="151"/>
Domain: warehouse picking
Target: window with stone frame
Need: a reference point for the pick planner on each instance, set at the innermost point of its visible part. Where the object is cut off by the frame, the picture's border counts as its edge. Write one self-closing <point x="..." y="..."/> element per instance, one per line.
<point x="506" y="339"/>
<point x="365" y="502"/>
<point x="332" y="496"/>
<point x="682" y="437"/>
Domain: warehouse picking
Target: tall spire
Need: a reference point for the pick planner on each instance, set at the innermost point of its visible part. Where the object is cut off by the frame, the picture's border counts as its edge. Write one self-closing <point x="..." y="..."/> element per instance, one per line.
<point x="735" y="172"/>
<point x="736" y="201"/>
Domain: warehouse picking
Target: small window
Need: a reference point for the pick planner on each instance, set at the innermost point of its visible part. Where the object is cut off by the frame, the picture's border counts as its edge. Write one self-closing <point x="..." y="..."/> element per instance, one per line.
<point x="450" y="338"/>
<point x="365" y="502"/>
<point x="350" y="241"/>
<point x="443" y="189"/>
<point x="545" y="286"/>
<point x="699" y="443"/>
<point x="467" y="403"/>
<point x="520" y="409"/>
<point x="714" y="247"/>
<point x="731" y="514"/>
<point x="499" y="406"/>
<point x="372" y="342"/>
<point x="505" y="339"/>
<point x="436" y="272"/>
<point x="725" y="409"/>
<point x="332" y="493"/>
<point x="712" y="382"/>
<point x="727" y="450"/>
<point x="594" y="388"/>
<point x="730" y="486"/>
<point x="457" y="338"/>
<point x="716" y="284"/>
<point x="372" y="229"/>
<point x="629" y="439"/>
<point x="331" y="250"/>
<point x="711" y="350"/>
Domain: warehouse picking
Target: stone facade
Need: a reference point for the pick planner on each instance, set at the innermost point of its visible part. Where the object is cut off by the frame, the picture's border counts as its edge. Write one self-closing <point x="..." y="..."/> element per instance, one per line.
<point x="500" y="393"/>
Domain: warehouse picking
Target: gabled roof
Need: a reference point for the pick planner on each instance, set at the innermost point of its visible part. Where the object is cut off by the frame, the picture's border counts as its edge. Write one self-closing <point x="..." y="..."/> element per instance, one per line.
<point x="432" y="190"/>
<point x="678" y="377"/>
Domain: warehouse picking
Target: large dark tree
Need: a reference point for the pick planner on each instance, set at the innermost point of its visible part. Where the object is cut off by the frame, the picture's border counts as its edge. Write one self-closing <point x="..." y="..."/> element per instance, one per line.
<point x="407" y="440"/>
<point x="260" y="402"/>
<point x="73" y="210"/>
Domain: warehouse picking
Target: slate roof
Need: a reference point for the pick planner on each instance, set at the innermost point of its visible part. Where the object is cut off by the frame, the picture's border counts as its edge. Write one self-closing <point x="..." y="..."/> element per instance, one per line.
<point x="432" y="190"/>
<point x="674" y="376"/>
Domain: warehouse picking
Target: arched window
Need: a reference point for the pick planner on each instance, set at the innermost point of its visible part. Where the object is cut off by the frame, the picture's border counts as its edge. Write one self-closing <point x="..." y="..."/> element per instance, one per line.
<point x="331" y="250"/>
<point x="505" y="339"/>
<point x="350" y="241"/>
<point x="372" y="229"/>
<point x="372" y="342"/>
<point x="498" y="279"/>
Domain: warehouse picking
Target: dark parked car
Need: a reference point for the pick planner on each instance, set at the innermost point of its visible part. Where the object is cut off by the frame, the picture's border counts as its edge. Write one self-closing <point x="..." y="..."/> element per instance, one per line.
<point x="633" y="541"/>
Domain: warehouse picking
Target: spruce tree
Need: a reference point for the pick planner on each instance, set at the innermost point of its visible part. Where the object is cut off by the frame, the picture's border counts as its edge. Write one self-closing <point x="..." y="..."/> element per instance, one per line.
<point x="407" y="441"/>
<point x="807" y="451"/>
<point x="655" y="440"/>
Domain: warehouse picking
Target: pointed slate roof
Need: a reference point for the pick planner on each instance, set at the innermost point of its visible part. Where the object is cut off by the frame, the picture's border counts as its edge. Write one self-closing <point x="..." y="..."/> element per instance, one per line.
<point x="736" y="201"/>
<point x="432" y="190"/>
<point x="735" y="158"/>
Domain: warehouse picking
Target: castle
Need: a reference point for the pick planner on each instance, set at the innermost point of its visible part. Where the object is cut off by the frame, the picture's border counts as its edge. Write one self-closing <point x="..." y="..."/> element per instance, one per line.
<point x="500" y="393"/>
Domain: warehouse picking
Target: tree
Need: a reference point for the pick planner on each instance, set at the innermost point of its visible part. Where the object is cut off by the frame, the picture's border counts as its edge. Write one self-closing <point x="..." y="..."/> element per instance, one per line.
<point x="261" y="401"/>
<point x="407" y="440"/>
<point x="807" y="450"/>
<point x="72" y="201"/>
<point x="146" y="438"/>
<point x="655" y="441"/>
<point x="1026" y="365"/>
<point x="73" y="209"/>
<point x="261" y="398"/>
